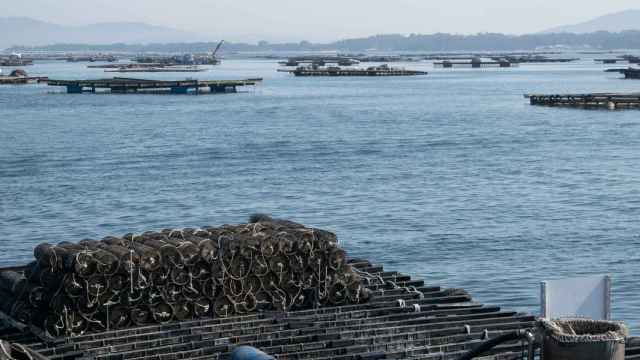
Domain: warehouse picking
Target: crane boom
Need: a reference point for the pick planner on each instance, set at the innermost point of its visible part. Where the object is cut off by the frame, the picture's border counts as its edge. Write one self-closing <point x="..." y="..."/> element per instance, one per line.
<point x="217" y="48"/>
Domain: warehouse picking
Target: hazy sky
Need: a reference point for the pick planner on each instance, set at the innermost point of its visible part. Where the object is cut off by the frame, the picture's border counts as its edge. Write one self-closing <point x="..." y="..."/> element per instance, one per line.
<point x="325" y="20"/>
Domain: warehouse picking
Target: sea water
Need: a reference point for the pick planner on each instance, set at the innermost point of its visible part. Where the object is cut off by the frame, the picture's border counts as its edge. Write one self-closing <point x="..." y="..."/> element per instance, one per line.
<point x="451" y="177"/>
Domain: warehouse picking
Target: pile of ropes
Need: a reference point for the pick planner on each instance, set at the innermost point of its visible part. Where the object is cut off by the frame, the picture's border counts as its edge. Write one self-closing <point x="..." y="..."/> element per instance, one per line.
<point x="159" y="277"/>
<point x="10" y="351"/>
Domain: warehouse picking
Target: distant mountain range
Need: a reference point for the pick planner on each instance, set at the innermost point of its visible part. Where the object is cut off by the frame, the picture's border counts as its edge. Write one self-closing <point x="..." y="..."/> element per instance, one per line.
<point x="614" y="31"/>
<point x="616" y="22"/>
<point x="386" y="43"/>
<point x="30" y="32"/>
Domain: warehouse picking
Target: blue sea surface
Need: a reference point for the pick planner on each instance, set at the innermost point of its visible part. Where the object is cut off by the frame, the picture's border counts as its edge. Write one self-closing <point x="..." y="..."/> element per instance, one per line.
<point x="452" y="177"/>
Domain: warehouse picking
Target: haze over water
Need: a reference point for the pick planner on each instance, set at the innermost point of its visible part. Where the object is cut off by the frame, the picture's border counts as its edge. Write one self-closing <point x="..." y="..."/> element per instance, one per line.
<point x="452" y="177"/>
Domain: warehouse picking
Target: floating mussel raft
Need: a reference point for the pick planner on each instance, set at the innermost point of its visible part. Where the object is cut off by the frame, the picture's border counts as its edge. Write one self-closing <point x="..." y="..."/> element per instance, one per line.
<point x="404" y="318"/>
<point x="382" y="70"/>
<point x="629" y="73"/>
<point x="387" y="315"/>
<point x="611" y="101"/>
<point x="157" y="277"/>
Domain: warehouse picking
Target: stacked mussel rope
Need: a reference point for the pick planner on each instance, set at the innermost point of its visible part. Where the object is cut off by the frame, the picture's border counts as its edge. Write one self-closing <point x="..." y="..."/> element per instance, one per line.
<point x="9" y="351"/>
<point x="20" y="297"/>
<point x="158" y="277"/>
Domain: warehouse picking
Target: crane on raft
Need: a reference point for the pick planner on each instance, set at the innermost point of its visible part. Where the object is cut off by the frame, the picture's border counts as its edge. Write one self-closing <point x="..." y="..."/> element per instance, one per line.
<point x="212" y="56"/>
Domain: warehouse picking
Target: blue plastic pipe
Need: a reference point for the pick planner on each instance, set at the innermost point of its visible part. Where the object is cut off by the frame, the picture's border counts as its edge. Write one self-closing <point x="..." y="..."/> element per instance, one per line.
<point x="249" y="353"/>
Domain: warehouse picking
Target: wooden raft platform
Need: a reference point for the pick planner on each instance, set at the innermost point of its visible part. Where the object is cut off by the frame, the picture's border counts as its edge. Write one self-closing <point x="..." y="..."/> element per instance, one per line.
<point x="126" y="66"/>
<point x="19" y="80"/>
<point x="631" y="59"/>
<point x="610" y="61"/>
<point x="405" y="319"/>
<point x="15" y="62"/>
<point x="130" y="85"/>
<point x="319" y="60"/>
<point x="474" y="64"/>
<point x="610" y="101"/>
<point x="157" y="70"/>
<point x="354" y="72"/>
<point x="630" y="73"/>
